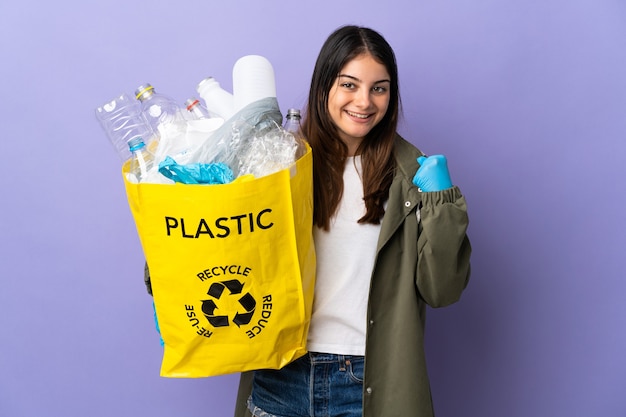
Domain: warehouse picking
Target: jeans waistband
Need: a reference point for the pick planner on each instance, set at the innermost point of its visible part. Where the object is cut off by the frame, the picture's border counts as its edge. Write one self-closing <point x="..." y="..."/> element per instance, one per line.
<point x="315" y="357"/>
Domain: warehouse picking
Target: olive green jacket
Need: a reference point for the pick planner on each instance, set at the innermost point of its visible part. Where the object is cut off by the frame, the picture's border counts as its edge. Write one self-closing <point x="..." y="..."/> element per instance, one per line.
<point x="418" y="263"/>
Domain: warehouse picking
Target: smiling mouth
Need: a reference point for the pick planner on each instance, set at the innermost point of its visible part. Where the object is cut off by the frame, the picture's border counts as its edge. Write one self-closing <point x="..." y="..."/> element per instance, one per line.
<point x="358" y="115"/>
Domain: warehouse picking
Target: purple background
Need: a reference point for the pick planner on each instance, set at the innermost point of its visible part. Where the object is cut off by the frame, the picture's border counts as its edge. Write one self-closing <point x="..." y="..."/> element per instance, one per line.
<point x="527" y="99"/>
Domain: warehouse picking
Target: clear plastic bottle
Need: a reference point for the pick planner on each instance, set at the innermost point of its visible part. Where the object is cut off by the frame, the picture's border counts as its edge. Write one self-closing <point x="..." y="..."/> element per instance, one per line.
<point x="196" y="109"/>
<point x="141" y="161"/>
<point x="157" y="108"/>
<point x="292" y="125"/>
<point x="122" y="119"/>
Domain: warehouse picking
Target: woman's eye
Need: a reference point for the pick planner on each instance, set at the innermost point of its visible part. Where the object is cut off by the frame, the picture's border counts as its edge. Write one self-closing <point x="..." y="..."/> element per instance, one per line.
<point x="379" y="89"/>
<point x="347" y="85"/>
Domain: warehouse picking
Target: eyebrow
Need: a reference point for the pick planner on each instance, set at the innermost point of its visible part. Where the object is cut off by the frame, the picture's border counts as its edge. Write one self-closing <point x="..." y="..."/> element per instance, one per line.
<point x="356" y="79"/>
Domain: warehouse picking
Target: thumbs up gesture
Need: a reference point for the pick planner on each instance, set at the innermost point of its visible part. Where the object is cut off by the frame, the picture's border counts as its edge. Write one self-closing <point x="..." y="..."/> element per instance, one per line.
<point x="432" y="175"/>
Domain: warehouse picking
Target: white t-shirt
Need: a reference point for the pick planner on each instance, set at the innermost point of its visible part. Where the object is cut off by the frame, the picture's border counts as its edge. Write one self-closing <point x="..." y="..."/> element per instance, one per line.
<point x="345" y="258"/>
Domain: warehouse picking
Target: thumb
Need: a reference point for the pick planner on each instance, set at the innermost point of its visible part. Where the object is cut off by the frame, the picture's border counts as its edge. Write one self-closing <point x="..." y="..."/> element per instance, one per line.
<point x="421" y="159"/>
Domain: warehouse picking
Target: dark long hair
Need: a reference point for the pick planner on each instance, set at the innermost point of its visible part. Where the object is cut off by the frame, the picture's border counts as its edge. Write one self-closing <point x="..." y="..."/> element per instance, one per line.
<point x="329" y="152"/>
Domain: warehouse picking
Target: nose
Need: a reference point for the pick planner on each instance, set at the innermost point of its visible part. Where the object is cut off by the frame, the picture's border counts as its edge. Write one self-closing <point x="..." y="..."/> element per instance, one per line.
<point x="362" y="98"/>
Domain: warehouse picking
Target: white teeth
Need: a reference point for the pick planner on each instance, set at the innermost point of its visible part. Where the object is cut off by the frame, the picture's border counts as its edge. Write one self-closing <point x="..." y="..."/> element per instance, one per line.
<point x="360" y="116"/>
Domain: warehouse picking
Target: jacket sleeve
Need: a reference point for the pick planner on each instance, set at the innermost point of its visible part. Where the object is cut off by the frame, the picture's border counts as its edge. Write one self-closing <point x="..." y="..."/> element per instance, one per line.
<point x="146" y="278"/>
<point x="245" y="388"/>
<point x="443" y="266"/>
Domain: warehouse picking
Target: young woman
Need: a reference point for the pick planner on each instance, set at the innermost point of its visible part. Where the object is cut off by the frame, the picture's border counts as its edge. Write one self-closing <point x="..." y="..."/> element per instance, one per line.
<point x="390" y="237"/>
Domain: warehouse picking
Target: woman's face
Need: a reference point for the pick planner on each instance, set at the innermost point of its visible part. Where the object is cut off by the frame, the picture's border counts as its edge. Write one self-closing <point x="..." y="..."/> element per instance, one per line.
<point x="359" y="99"/>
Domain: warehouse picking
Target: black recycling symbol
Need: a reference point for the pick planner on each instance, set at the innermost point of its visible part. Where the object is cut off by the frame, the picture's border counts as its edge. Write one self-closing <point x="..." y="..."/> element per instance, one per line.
<point x="235" y="288"/>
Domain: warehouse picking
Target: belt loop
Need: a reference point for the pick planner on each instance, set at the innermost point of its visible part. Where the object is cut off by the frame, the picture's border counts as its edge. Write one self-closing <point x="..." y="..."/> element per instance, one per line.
<point x="342" y="363"/>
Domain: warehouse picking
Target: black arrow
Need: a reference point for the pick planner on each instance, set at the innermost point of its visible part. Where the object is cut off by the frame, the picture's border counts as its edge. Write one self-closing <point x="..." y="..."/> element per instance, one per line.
<point x="248" y="302"/>
<point x="218" y="321"/>
<point x="216" y="289"/>
<point x="243" y="318"/>
<point x="208" y="307"/>
<point x="234" y="286"/>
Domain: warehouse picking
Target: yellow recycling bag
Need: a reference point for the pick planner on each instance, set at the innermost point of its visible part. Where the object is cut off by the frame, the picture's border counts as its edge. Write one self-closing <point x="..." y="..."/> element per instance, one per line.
<point x="232" y="268"/>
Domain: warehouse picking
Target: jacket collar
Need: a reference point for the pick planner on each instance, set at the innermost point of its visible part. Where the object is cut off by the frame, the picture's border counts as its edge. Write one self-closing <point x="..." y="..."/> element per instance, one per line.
<point x="404" y="196"/>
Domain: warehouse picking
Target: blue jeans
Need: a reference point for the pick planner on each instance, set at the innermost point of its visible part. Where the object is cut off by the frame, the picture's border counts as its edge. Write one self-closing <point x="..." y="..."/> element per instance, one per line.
<point x="315" y="385"/>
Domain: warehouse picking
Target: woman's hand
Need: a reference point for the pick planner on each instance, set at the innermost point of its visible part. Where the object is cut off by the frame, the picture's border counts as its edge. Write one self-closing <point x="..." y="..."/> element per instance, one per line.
<point x="432" y="175"/>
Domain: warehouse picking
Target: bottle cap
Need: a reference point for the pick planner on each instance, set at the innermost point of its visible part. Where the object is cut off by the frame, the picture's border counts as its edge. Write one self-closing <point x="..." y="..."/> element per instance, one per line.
<point x="206" y="82"/>
<point x="190" y="103"/>
<point x="136" y="143"/>
<point x="144" y="91"/>
<point x="293" y="113"/>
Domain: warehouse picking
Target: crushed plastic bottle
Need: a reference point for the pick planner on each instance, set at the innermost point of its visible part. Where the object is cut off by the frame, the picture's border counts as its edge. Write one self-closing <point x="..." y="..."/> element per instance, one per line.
<point x="122" y="119"/>
<point x="158" y="109"/>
